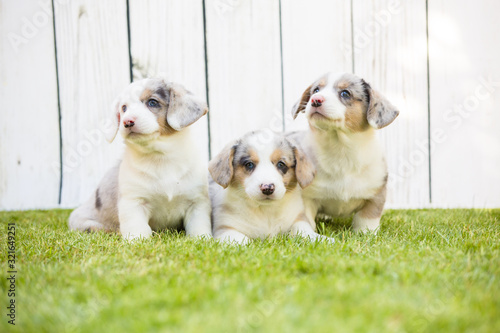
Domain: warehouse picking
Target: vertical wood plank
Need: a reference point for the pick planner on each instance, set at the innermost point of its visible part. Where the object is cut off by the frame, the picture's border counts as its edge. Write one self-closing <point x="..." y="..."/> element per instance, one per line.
<point x="316" y="39"/>
<point x="29" y="126"/>
<point x="167" y="39"/>
<point x="464" y="97"/>
<point x="390" y="52"/>
<point x="244" y="65"/>
<point x="94" y="67"/>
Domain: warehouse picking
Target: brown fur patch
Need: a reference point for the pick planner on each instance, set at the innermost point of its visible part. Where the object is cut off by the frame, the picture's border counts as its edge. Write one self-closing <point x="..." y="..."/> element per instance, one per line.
<point x="304" y="169"/>
<point x="221" y="166"/>
<point x="355" y="116"/>
<point x="373" y="207"/>
<point x="240" y="172"/>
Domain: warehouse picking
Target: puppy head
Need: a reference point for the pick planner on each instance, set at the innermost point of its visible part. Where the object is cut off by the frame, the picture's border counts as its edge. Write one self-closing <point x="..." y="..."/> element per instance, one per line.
<point x="344" y="102"/>
<point x="152" y="107"/>
<point x="263" y="164"/>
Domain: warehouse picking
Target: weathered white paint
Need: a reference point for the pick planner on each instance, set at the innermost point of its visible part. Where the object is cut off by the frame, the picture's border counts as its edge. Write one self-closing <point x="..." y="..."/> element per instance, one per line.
<point x="465" y="121"/>
<point x="160" y="48"/>
<point x="245" y="84"/>
<point x="29" y="125"/>
<point x="390" y="52"/>
<point x="93" y="68"/>
<point x="244" y="65"/>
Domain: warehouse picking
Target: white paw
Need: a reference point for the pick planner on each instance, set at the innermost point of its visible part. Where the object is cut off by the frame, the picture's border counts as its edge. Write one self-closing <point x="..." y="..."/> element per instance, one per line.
<point x="137" y="235"/>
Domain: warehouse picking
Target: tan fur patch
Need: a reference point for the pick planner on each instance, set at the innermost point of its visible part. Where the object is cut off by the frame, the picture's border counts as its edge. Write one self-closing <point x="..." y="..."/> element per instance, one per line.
<point x="373" y="207"/>
<point x="289" y="178"/>
<point x="304" y="169"/>
<point x="355" y="117"/>
<point x="240" y="172"/>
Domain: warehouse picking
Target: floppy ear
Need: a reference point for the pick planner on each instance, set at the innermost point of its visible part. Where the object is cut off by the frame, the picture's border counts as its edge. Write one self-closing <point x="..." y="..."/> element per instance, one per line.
<point x="221" y="166"/>
<point x="380" y="111"/>
<point x="111" y="132"/>
<point x="304" y="169"/>
<point x="183" y="108"/>
<point x="300" y="106"/>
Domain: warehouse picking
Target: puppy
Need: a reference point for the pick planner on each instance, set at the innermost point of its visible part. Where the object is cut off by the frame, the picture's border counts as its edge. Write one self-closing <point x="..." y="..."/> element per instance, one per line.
<point x="254" y="191"/>
<point x="343" y="113"/>
<point x="161" y="181"/>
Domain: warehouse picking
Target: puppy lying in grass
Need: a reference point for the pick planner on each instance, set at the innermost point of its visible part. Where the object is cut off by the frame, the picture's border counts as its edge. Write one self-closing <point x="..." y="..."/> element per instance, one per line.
<point x="343" y="113"/>
<point x="256" y="189"/>
<point x="161" y="182"/>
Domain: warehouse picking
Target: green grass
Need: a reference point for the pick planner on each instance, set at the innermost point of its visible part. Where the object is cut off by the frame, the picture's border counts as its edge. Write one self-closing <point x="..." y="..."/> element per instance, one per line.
<point x="425" y="271"/>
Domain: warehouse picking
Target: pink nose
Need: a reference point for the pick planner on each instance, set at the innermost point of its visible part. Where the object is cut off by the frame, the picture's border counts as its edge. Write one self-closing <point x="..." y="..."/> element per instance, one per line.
<point x="128" y="123"/>
<point x="317" y="100"/>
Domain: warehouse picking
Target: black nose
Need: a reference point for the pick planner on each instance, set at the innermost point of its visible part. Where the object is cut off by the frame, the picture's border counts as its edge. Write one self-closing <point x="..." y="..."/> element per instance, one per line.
<point x="129" y="123"/>
<point x="267" y="189"/>
<point x="316" y="103"/>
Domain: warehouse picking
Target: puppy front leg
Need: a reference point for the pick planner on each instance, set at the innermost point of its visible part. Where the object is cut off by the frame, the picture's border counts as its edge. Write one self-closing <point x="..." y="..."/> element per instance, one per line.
<point x="197" y="221"/>
<point x="368" y="218"/>
<point x="304" y="229"/>
<point x="134" y="219"/>
<point x="230" y="235"/>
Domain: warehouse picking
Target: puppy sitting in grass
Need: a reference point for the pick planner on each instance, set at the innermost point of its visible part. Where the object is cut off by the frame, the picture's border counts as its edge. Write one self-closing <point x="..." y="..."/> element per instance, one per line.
<point x="161" y="182"/>
<point x="256" y="189"/>
<point x="343" y="113"/>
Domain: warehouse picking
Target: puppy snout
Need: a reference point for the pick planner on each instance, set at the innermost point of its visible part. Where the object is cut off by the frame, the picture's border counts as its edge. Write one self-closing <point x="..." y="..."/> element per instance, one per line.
<point x="267" y="189"/>
<point x="317" y="100"/>
<point x="128" y="123"/>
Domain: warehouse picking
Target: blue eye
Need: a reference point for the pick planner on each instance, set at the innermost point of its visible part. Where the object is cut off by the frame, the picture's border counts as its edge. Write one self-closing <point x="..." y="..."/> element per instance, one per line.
<point x="249" y="166"/>
<point x="345" y="94"/>
<point x="282" y="167"/>
<point x="124" y="108"/>
<point x="153" y="103"/>
<point x="316" y="90"/>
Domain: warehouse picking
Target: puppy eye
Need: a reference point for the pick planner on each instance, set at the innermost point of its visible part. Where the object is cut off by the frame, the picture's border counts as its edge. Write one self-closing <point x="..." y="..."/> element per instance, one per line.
<point x="282" y="167"/>
<point x="316" y="90"/>
<point x="345" y="94"/>
<point x="249" y="166"/>
<point x="124" y="108"/>
<point x="153" y="103"/>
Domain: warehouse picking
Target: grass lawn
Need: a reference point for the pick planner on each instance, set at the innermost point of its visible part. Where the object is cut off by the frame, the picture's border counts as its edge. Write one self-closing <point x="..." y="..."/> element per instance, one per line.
<point x="425" y="271"/>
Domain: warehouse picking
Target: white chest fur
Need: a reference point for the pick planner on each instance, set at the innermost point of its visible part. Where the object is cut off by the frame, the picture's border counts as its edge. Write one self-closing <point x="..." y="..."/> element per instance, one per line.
<point x="350" y="169"/>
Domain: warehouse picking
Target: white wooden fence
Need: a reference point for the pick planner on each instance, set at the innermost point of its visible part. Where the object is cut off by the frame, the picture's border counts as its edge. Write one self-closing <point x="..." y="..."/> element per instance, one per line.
<point x="62" y="63"/>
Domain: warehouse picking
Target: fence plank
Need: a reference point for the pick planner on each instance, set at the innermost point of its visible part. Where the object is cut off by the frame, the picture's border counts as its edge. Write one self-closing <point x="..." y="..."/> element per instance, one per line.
<point x="316" y="40"/>
<point x="93" y="68"/>
<point x="390" y="53"/>
<point x="29" y="130"/>
<point x="244" y="64"/>
<point x="173" y="48"/>
<point x="464" y="99"/>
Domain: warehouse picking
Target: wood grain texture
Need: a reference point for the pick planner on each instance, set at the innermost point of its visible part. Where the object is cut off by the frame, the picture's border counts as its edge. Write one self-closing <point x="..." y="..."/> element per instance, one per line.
<point x="316" y="39"/>
<point x="167" y="39"/>
<point x="93" y="68"/>
<point x="29" y="126"/>
<point x="390" y="46"/>
<point x="464" y="98"/>
<point x="244" y="66"/>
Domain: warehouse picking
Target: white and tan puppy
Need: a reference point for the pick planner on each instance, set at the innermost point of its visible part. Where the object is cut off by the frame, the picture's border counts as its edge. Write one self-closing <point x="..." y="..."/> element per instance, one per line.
<point x="161" y="181"/>
<point x="343" y="113"/>
<point x="257" y="189"/>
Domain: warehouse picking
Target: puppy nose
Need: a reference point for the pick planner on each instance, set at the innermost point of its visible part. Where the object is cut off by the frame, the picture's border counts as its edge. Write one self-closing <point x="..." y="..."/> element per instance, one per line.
<point x="128" y="123"/>
<point x="267" y="189"/>
<point x="317" y="100"/>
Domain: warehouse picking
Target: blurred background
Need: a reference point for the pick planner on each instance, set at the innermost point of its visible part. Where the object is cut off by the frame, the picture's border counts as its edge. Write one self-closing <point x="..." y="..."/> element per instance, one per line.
<point x="63" y="62"/>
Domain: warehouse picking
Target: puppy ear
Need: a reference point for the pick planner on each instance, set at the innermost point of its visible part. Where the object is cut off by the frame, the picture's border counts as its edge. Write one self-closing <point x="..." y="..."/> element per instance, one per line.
<point x="183" y="108"/>
<point x="380" y="111"/>
<point x="221" y="166"/>
<point x="111" y="132"/>
<point x="304" y="169"/>
<point x="300" y="106"/>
